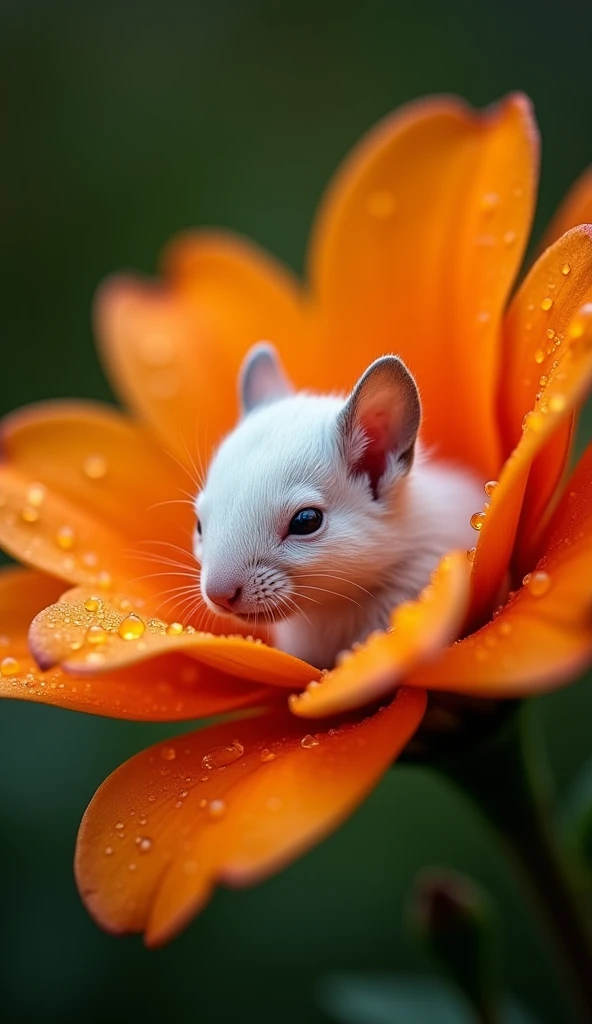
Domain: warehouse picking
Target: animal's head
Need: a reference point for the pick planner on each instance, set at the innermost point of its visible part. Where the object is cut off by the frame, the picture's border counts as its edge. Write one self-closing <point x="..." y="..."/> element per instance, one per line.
<point x="300" y="498"/>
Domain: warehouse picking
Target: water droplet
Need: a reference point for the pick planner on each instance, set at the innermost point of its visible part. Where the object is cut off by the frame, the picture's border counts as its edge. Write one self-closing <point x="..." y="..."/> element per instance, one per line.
<point x="471" y="554"/>
<point x="119" y="825"/>
<point x="168" y="753"/>
<point x="216" y="809"/>
<point x="267" y="755"/>
<point x="65" y="538"/>
<point x="565" y="270"/>
<point x="132" y="867"/>
<point x="29" y="514"/>
<point x="94" y="467"/>
<point x="308" y="741"/>
<point x="96" y="635"/>
<point x="477" y="520"/>
<point x="489" y="201"/>
<point x="505" y="628"/>
<point x="144" y="844"/>
<point x="104" y="579"/>
<point x="93" y="604"/>
<point x="546" y="304"/>
<point x="381" y="204"/>
<point x="36" y="495"/>
<point x="538" y="583"/>
<point x="557" y="402"/>
<point x="490" y="487"/>
<point x="174" y="629"/>
<point x="550" y="333"/>
<point x="539" y="355"/>
<point x="510" y="237"/>
<point x="220" y="757"/>
<point x="108" y="851"/>
<point x="132" y="627"/>
<point x="9" y="667"/>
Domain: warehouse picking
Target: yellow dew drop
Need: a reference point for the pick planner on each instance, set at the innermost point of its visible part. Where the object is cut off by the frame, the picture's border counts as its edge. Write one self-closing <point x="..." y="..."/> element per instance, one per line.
<point x="489" y="202"/>
<point x="36" y="495"/>
<point x="119" y="825"/>
<point x="132" y="867"/>
<point x="104" y="579"/>
<point x="168" y="753"/>
<point x="132" y="627"/>
<point x="557" y="402"/>
<point x="566" y="269"/>
<point x="381" y="204"/>
<point x="550" y="333"/>
<point x="29" y="514"/>
<point x="93" y="604"/>
<point x="471" y="554"/>
<point x="539" y="355"/>
<point x="144" y="844"/>
<point x="308" y="741"/>
<point x="490" y="487"/>
<point x="216" y="809"/>
<point x="9" y="667"/>
<point x="96" y="635"/>
<point x="96" y="658"/>
<point x="546" y="304"/>
<point x="267" y="755"/>
<point x="538" y="583"/>
<point x="220" y="757"/>
<point x="108" y="851"/>
<point x="94" y="467"/>
<point x="510" y="237"/>
<point x="90" y="560"/>
<point x="65" y="538"/>
<point x="477" y="520"/>
<point x="174" y="629"/>
<point x="543" y="380"/>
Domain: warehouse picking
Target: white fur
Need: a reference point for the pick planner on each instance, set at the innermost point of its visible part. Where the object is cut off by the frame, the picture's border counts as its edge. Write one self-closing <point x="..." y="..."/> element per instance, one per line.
<point x="327" y="590"/>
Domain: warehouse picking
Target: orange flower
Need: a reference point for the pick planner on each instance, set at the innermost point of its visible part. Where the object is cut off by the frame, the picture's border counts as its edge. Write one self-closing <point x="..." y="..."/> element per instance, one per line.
<point x="415" y="250"/>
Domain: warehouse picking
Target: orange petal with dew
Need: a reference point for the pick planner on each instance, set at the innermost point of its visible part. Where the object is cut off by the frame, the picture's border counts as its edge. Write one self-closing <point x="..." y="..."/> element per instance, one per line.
<point x="566" y="388"/>
<point x="87" y="635"/>
<point x="416" y="248"/>
<point x="419" y="630"/>
<point x="175" y="689"/>
<point x="230" y="804"/>
<point x="109" y="471"/>
<point x="542" y="638"/>
<point x="575" y="209"/>
<point x="173" y="349"/>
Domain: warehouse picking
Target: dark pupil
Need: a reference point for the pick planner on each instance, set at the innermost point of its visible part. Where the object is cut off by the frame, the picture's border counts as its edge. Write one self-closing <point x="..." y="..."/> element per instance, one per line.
<point x="306" y="521"/>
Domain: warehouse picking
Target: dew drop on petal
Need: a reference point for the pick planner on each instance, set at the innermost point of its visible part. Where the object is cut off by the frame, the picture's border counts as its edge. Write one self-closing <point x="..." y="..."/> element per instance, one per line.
<point x="174" y="629"/>
<point x="144" y="844"/>
<point x="93" y="604"/>
<point x="36" y="494"/>
<point x="308" y="741"/>
<point x="220" y="757"/>
<point x="94" y="467"/>
<point x="104" y="579"/>
<point x="490" y="487"/>
<point x="510" y="237"/>
<point x="65" y="538"/>
<point x="9" y="667"/>
<point x="539" y="356"/>
<point x="267" y="755"/>
<point x="108" y="851"/>
<point x="565" y="270"/>
<point x="550" y="333"/>
<point x="132" y="627"/>
<point x="538" y="583"/>
<point x="489" y="201"/>
<point x="477" y="520"/>
<point x="29" y="514"/>
<point x="216" y="809"/>
<point x="557" y="402"/>
<point x="471" y="554"/>
<point x="96" y="635"/>
<point x="168" y="753"/>
<point x="546" y="303"/>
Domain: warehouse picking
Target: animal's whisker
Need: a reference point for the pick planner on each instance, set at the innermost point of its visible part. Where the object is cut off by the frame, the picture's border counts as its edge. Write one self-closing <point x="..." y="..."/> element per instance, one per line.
<point x="332" y="576"/>
<point x="334" y="593"/>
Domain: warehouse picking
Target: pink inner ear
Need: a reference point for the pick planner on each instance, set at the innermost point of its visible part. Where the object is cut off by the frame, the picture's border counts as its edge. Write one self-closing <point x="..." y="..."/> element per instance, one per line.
<point x="377" y="428"/>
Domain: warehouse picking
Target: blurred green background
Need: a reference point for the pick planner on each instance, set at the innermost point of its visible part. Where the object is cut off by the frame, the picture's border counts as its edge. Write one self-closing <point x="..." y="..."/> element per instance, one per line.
<point x="123" y="123"/>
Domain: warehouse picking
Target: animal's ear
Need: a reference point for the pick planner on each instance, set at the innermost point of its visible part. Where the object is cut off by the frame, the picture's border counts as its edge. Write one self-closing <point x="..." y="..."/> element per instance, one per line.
<point x="262" y="378"/>
<point x="380" y="420"/>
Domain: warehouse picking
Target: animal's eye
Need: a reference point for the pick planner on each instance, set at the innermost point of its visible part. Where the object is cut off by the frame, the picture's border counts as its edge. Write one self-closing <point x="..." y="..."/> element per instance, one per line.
<point x="308" y="520"/>
<point x="198" y="527"/>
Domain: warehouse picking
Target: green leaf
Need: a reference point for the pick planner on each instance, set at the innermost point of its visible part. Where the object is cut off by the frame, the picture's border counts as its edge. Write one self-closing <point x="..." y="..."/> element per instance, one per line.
<point x="403" y="999"/>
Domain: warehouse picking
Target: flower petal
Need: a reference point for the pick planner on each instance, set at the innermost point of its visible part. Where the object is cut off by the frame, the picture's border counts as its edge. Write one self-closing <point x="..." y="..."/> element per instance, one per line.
<point x="567" y="385"/>
<point x="542" y="638"/>
<point x="86" y="465"/>
<point x="416" y="247"/>
<point x="173" y="350"/>
<point x="169" y="824"/>
<point x="575" y="209"/>
<point x="88" y="636"/>
<point x="176" y="690"/>
<point x="419" y="629"/>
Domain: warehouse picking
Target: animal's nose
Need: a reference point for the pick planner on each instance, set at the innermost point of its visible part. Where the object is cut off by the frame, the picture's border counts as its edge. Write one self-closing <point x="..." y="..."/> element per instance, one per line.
<point x="226" y="598"/>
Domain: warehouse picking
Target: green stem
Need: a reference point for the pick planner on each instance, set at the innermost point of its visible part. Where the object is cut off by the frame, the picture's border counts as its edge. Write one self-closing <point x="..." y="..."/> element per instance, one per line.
<point x="508" y="780"/>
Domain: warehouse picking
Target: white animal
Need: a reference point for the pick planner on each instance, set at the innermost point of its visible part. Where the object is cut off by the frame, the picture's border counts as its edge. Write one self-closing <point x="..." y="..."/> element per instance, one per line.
<point x="320" y="514"/>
